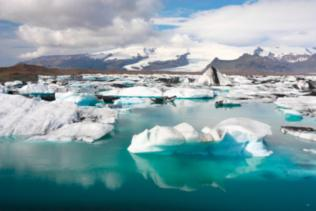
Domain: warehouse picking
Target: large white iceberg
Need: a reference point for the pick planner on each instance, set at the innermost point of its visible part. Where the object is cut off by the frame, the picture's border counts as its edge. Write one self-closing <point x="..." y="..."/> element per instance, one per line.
<point x="20" y="116"/>
<point x="189" y="93"/>
<point x="240" y="134"/>
<point x="137" y="91"/>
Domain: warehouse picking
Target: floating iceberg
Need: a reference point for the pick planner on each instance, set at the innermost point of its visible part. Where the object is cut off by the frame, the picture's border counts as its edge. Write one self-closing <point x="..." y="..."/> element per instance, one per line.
<point x="79" y="99"/>
<point x="292" y="115"/>
<point x="13" y="84"/>
<point x="302" y="85"/>
<point x="227" y="104"/>
<point x="21" y="116"/>
<point x="189" y="93"/>
<point x="131" y="103"/>
<point x="236" y="135"/>
<point x="304" y="104"/>
<point x="300" y="132"/>
<point x="2" y="89"/>
<point x="81" y="131"/>
<point x="30" y="89"/>
<point x="138" y="91"/>
<point x="211" y="77"/>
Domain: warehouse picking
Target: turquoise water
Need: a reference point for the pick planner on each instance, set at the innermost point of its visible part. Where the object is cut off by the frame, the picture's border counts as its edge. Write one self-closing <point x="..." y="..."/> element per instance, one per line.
<point x="106" y="175"/>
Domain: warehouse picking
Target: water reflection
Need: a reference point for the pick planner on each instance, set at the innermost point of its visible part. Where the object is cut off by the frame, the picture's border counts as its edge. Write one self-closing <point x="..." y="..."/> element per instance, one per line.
<point x="188" y="173"/>
<point x="73" y="163"/>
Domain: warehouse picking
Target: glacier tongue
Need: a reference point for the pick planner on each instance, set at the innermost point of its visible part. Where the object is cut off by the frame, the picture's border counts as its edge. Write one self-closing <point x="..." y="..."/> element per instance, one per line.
<point x="20" y="116"/>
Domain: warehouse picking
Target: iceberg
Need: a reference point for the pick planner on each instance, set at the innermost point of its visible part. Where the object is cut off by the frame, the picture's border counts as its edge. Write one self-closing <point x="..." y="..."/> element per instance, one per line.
<point x="307" y="133"/>
<point x="2" y="89"/>
<point x="303" y="104"/>
<point x="21" y="116"/>
<point x="137" y="91"/>
<point x="76" y="98"/>
<point x="236" y="135"/>
<point x="212" y="77"/>
<point x="35" y="89"/>
<point x="81" y="131"/>
<point x="189" y="93"/>
<point x="227" y="104"/>
<point x="292" y="115"/>
<point x="13" y="84"/>
<point x="131" y="102"/>
<point x="302" y="85"/>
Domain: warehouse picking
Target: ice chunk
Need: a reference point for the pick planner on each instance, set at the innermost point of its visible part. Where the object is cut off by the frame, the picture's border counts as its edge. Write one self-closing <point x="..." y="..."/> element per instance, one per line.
<point x="292" y="115"/>
<point x="81" y="131"/>
<point x="189" y="93"/>
<point x="230" y="136"/>
<point x="304" y="104"/>
<point x="155" y="139"/>
<point x="300" y="132"/>
<point x="244" y="130"/>
<point x="138" y="91"/>
<point x="213" y="77"/>
<point x="2" y="89"/>
<point x="20" y="116"/>
<point x="131" y="101"/>
<point x="13" y="84"/>
<point x="227" y="104"/>
<point x="302" y="85"/>
<point x="189" y="133"/>
<point x="34" y="89"/>
<point x="79" y="99"/>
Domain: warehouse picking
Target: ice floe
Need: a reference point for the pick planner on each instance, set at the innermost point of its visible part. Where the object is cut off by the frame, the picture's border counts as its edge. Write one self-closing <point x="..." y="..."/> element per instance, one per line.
<point x="189" y="93"/>
<point x="303" y="104"/>
<point x="307" y="133"/>
<point x="2" y="89"/>
<point x="292" y="115"/>
<point x="239" y="133"/>
<point x="137" y="91"/>
<point x="31" y="88"/>
<point x="79" y="99"/>
<point x="20" y="116"/>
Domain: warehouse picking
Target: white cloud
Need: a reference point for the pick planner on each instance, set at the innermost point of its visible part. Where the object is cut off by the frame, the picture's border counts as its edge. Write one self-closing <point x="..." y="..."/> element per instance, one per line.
<point x="79" y="24"/>
<point x="263" y="22"/>
<point x="62" y="14"/>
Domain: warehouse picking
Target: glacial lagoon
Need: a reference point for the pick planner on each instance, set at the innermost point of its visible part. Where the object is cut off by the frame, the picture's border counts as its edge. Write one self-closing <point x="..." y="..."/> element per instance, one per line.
<point x="105" y="175"/>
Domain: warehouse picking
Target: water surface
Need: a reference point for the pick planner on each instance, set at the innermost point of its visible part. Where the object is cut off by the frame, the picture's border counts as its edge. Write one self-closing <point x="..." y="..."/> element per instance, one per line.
<point x="106" y="175"/>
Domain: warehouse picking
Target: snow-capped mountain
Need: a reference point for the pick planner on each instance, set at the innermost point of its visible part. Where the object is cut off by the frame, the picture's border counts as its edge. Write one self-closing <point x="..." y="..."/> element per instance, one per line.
<point x="271" y="60"/>
<point x="291" y="55"/>
<point x="140" y="58"/>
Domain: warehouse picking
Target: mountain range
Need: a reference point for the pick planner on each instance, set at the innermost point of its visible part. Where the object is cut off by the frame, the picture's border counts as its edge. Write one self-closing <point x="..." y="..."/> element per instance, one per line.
<point x="260" y="61"/>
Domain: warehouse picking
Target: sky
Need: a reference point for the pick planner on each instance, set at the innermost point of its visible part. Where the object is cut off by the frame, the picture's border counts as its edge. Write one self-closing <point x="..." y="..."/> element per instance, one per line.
<point x="32" y="28"/>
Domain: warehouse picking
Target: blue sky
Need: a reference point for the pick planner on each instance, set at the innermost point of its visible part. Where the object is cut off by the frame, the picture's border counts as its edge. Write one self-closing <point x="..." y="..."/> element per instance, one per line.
<point x="188" y="7"/>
